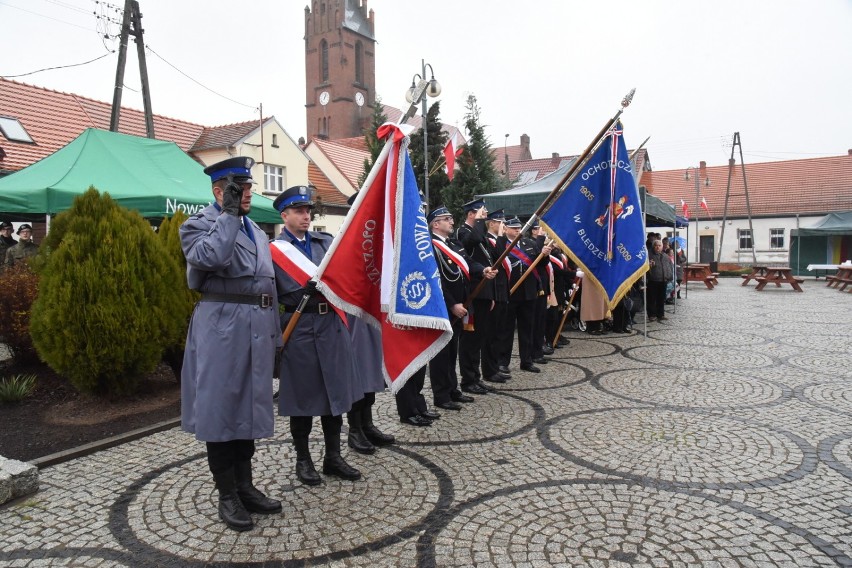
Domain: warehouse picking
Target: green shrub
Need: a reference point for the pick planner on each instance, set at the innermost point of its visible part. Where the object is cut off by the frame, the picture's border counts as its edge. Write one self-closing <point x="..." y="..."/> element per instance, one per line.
<point x="18" y="290"/>
<point x="109" y="301"/>
<point x="169" y="235"/>
<point x="16" y="388"/>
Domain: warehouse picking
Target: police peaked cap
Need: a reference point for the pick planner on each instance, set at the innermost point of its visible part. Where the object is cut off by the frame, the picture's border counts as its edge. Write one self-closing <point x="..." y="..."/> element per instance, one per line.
<point x="239" y="168"/>
<point x="296" y="196"/>
<point x="473" y="205"/>
<point x="438" y="212"/>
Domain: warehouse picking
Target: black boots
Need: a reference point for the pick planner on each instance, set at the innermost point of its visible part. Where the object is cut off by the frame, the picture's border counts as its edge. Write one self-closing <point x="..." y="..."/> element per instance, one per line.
<point x="375" y="435"/>
<point x="305" y="470"/>
<point x="333" y="463"/>
<point x="253" y="500"/>
<point x="231" y="509"/>
<point x="357" y="437"/>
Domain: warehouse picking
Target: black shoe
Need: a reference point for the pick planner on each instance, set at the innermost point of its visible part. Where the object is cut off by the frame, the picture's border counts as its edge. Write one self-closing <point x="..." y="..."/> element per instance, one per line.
<point x="503" y="369"/>
<point x="307" y="473"/>
<point x="462" y="398"/>
<point x="233" y="513"/>
<point x="337" y="466"/>
<point x="250" y="496"/>
<point x="530" y="368"/>
<point x="358" y="441"/>
<point x="416" y="420"/>
<point x="547" y="350"/>
<point x="563" y="342"/>
<point x="495" y="379"/>
<point x="377" y="437"/>
<point x="485" y="387"/>
<point x="474" y="389"/>
<point x="451" y="405"/>
<point x="256" y="502"/>
<point x="540" y="360"/>
<point x="430" y="414"/>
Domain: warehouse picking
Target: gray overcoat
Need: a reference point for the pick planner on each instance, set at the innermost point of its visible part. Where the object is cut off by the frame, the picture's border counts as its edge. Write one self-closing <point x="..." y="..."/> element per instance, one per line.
<point x="317" y="371"/>
<point x="367" y="350"/>
<point x="226" y="382"/>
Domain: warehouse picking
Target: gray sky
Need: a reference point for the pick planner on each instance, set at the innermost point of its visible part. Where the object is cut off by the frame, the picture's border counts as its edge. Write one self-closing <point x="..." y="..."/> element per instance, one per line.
<point x="776" y="71"/>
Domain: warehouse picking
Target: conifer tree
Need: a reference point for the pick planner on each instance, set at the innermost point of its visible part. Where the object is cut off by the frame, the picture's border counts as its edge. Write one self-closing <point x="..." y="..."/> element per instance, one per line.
<point x="475" y="172"/>
<point x="436" y="140"/>
<point x="109" y="298"/>
<point x="374" y="145"/>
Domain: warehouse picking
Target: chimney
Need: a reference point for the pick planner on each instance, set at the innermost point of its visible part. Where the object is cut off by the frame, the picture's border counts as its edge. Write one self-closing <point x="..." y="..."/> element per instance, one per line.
<point x="702" y="167"/>
<point x="850" y="151"/>
<point x="554" y="159"/>
<point x="525" y="148"/>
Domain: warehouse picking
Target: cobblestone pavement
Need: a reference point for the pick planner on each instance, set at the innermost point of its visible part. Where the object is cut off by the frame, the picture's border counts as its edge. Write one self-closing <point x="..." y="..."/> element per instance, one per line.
<point x="723" y="439"/>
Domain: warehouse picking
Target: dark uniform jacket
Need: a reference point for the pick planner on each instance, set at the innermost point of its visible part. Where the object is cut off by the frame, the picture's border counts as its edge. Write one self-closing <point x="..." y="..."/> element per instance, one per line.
<point x="530" y="287"/>
<point x="480" y="250"/>
<point x="454" y="284"/>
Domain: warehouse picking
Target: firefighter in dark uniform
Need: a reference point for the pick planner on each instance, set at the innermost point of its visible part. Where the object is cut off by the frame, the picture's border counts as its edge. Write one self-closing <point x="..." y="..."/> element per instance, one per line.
<point x="317" y="369"/>
<point x="491" y="347"/>
<point x="456" y="270"/>
<point x="544" y="269"/>
<point x="226" y="391"/>
<point x="522" y="303"/>
<point x="563" y="278"/>
<point x="472" y="235"/>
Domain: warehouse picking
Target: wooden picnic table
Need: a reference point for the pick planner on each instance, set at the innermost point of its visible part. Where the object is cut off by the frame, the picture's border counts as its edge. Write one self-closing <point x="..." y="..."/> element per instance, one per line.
<point x="700" y="273"/>
<point x="756" y="271"/>
<point x="842" y="279"/>
<point x="779" y="275"/>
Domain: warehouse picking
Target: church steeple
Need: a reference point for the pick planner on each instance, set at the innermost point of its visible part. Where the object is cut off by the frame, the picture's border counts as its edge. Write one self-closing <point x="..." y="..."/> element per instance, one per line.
<point x="340" y="68"/>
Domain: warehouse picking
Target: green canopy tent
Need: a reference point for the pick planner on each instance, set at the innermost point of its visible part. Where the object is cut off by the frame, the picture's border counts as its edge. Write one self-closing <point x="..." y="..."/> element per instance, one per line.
<point x="828" y="241"/>
<point x="153" y="177"/>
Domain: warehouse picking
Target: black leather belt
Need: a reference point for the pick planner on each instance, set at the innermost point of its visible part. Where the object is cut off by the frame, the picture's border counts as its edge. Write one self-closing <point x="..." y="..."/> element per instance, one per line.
<point x="262" y="300"/>
<point x="318" y="308"/>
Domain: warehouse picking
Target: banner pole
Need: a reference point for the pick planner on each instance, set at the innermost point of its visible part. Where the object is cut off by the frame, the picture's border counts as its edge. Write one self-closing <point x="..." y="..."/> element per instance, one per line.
<point x="563" y="183"/>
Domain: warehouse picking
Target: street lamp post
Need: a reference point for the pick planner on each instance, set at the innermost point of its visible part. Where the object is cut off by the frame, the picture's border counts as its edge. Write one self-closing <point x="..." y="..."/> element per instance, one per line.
<point x="433" y="89"/>
<point x="506" y="156"/>
<point x="697" y="175"/>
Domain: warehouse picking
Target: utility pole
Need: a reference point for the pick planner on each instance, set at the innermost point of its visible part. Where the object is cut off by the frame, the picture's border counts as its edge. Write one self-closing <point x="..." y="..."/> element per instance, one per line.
<point x="131" y="24"/>
<point x="737" y="143"/>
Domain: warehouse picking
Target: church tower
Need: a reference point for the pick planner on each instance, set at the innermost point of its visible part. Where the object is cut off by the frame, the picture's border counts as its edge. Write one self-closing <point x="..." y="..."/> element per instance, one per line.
<point x="340" y="68"/>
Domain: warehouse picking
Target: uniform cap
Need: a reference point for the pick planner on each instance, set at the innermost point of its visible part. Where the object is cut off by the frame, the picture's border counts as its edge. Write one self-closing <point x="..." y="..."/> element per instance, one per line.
<point x="498" y="215"/>
<point x="438" y="212"/>
<point x="514" y="223"/>
<point x="239" y="168"/>
<point x="22" y="227"/>
<point x="473" y="205"/>
<point x="6" y="225"/>
<point x="296" y="196"/>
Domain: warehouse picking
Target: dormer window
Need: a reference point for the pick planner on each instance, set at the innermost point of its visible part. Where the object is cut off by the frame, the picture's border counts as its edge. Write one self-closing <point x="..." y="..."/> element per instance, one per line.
<point x="14" y="131"/>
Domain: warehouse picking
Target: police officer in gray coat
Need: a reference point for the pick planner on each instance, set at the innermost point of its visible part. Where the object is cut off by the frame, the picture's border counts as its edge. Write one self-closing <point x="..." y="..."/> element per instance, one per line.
<point x="317" y="369"/>
<point x="226" y="385"/>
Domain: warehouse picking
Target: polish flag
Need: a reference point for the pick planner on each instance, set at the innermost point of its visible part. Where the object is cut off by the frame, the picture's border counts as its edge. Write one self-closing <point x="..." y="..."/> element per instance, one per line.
<point x="451" y="152"/>
<point x="685" y="208"/>
<point x="704" y="206"/>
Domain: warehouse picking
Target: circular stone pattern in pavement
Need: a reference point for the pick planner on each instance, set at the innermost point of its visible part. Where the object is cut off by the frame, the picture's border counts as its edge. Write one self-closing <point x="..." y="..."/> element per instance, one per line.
<point x="581" y="347"/>
<point x="690" y="449"/>
<point x="587" y="523"/>
<point x="175" y="512"/>
<point x="809" y="342"/>
<point x="557" y="374"/>
<point x="698" y="358"/>
<point x="699" y="336"/>
<point x="684" y="388"/>
<point x="836" y="452"/>
<point x="826" y="364"/>
<point x="834" y="396"/>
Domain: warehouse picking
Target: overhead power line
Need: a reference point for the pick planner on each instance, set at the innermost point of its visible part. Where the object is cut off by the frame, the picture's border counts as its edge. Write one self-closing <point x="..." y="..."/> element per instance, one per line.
<point x="57" y="67"/>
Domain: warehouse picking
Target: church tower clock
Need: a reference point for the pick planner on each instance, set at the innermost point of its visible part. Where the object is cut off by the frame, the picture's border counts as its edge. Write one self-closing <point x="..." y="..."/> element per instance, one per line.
<point x="340" y="68"/>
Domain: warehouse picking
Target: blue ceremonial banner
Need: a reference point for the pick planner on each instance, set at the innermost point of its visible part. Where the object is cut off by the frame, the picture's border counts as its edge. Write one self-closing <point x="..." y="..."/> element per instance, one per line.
<point x="597" y="220"/>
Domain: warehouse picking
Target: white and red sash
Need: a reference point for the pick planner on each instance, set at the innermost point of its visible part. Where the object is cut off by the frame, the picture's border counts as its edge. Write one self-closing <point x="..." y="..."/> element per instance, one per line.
<point x="297" y="266"/>
<point x="454" y="257"/>
<point x="507" y="264"/>
<point x="557" y="262"/>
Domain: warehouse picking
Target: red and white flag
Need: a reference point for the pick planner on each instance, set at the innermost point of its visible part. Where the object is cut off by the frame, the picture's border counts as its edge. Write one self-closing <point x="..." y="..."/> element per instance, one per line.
<point x="451" y="152"/>
<point x="685" y="209"/>
<point x="381" y="267"/>
<point x="706" y="208"/>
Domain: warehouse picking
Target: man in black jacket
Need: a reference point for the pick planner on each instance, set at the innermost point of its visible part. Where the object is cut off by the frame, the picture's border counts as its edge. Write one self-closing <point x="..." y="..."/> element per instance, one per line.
<point x="456" y="270"/>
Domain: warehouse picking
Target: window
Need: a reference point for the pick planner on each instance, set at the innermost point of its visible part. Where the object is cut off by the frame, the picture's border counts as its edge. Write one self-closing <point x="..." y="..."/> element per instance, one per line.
<point x="776" y="238"/>
<point x="13" y="130"/>
<point x="274" y="140"/>
<point x="744" y="239"/>
<point x="319" y="229"/>
<point x="273" y="178"/>
<point x="359" y="62"/>
<point x="324" y="60"/>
